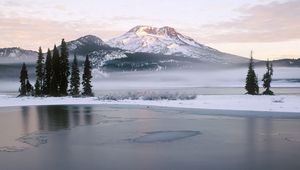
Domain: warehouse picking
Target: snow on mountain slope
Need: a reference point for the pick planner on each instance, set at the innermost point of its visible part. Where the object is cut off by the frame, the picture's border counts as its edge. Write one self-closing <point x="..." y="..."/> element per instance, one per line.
<point x="99" y="57"/>
<point x="85" y="45"/>
<point x="81" y="46"/>
<point x="17" y="55"/>
<point x="168" y="41"/>
<point x="88" y="39"/>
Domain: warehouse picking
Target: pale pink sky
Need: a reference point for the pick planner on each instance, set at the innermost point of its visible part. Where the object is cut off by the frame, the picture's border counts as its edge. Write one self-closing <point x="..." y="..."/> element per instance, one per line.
<point x="269" y="27"/>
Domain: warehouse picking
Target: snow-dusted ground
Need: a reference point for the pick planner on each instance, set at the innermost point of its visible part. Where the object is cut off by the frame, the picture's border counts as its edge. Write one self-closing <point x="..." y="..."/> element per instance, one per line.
<point x="278" y="103"/>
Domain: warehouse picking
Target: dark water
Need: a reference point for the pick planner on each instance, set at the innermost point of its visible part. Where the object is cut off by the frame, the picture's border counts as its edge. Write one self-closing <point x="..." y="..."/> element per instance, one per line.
<point x="129" y="137"/>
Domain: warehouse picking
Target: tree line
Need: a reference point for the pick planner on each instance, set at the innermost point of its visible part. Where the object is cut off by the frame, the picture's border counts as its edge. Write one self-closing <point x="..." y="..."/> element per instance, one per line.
<point x="53" y="75"/>
<point x="252" y="86"/>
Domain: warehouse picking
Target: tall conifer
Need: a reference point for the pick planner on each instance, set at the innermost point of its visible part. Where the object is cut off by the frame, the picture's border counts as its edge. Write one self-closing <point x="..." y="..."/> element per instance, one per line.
<point x="87" y="77"/>
<point x="29" y="88"/>
<point x="23" y="80"/>
<point x="267" y="79"/>
<point x="56" y="73"/>
<point x="47" y="73"/>
<point x="75" y="78"/>
<point x="64" y="69"/>
<point x="26" y="88"/>
<point x="251" y="86"/>
<point x="39" y="72"/>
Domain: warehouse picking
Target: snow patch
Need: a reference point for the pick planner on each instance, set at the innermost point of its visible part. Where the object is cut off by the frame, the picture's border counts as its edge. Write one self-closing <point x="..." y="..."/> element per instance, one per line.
<point x="216" y="102"/>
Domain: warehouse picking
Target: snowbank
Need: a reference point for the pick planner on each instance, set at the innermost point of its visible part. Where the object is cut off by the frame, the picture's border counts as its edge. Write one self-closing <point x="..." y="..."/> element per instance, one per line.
<point x="222" y="102"/>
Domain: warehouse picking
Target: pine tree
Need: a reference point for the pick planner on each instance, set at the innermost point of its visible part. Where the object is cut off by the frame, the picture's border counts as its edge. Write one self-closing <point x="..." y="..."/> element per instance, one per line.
<point x="29" y="88"/>
<point x="251" y="87"/>
<point x="39" y="74"/>
<point x="25" y="88"/>
<point x="47" y="73"/>
<point x="75" y="78"/>
<point x="86" y="78"/>
<point x="64" y="68"/>
<point x="23" y="80"/>
<point x="267" y="79"/>
<point x="56" y="73"/>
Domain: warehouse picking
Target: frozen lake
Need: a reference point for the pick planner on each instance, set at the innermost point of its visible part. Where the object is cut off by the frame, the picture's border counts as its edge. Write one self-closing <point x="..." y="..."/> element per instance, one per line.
<point x="140" y="137"/>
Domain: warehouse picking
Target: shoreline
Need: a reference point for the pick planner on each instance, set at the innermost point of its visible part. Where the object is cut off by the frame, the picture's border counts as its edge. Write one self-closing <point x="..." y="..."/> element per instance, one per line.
<point x="280" y="103"/>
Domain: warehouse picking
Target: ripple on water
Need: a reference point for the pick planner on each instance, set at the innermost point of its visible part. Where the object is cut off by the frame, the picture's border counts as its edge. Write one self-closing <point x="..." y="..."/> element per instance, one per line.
<point x="164" y="136"/>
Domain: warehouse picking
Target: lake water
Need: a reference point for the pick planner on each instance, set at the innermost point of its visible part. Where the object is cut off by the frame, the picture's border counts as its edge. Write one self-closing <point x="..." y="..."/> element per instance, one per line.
<point x="154" y="138"/>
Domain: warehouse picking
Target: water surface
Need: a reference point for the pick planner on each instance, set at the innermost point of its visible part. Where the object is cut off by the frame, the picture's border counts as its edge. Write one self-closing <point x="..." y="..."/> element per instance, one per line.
<point x="137" y="137"/>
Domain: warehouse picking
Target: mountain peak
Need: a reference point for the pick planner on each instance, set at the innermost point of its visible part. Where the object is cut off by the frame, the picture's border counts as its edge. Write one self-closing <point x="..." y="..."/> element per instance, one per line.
<point x="139" y="28"/>
<point x="17" y="55"/>
<point x="90" y="38"/>
<point x="168" y="31"/>
<point x="86" y="44"/>
<point x="167" y="41"/>
<point x="163" y="31"/>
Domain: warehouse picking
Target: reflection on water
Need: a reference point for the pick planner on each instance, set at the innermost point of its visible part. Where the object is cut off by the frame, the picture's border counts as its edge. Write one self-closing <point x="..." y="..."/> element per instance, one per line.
<point x="25" y="119"/>
<point x="250" y="134"/>
<point x="55" y="121"/>
<point x="88" y="116"/>
<point x="44" y="118"/>
<point x="54" y="118"/>
<point x="234" y="143"/>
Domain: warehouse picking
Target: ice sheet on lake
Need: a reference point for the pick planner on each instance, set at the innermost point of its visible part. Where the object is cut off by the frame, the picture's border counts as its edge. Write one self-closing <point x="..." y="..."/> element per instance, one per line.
<point x="164" y="136"/>
<point x="11" y="149"/>
<point x="34" y="139"/>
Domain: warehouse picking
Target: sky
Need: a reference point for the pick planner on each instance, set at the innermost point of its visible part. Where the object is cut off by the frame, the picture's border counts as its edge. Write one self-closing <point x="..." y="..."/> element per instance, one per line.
<point x="270" y="28"/>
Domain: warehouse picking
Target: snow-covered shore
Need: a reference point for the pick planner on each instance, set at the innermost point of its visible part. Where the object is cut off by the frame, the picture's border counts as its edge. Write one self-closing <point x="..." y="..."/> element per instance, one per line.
<point x="222" y="102"/>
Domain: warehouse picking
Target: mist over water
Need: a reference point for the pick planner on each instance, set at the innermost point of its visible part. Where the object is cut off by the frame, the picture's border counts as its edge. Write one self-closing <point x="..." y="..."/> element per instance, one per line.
<point x="202" y="81"/>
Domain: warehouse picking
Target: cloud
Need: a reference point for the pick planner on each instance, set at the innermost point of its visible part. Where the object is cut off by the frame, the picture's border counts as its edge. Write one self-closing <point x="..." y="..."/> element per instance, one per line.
<point x="273" y="22"/>
<point x="125" y="18"/>
<point x="30" y="33"/>
<point x="11" y="3"/>
<point x="60" y="7"/>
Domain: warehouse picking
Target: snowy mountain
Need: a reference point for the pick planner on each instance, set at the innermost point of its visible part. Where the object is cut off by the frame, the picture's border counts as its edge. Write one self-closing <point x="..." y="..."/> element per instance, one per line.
<point x="17" y="55"/>
<point x="149" y="61"/>
<point x="168" y="41"/>
<point x="81" y="46"/>
<point x="143" y="48"/>
<point x="87" y="44"/>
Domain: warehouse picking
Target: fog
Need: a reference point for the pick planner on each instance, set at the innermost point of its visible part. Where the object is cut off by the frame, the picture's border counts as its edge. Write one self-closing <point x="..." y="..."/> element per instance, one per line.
<point x="220" y="81"/>
<point x="283" y="77"/>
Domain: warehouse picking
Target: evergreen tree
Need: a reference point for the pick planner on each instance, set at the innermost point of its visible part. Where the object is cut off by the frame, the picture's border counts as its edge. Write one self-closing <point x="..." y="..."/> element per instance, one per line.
<point x="39" y="74"/>
<point x="251" y="87"/>
<point x="64" y="69"/>
<point x="23" y="80"/>
<point x="86" y="78"/>
<point x="25" y="88"/>
<point x="56" y="73"/>
<point x="47" y="73"/>
<point x="75" y="78"/>
<point x="29" y="88"/>
<point x="267" y="79"/>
